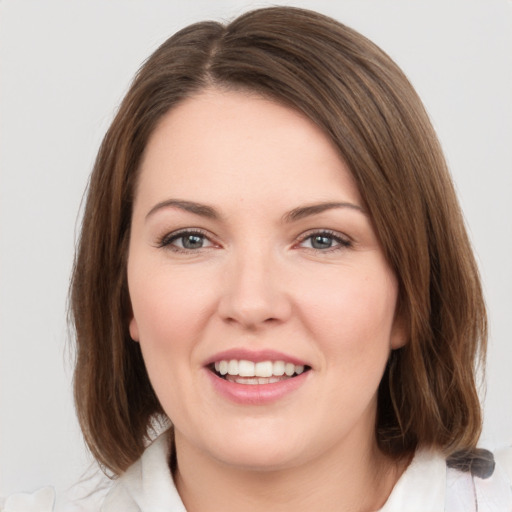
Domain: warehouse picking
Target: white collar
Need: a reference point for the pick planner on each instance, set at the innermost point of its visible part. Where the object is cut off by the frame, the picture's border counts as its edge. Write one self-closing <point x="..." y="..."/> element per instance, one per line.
<point x="421" y="487"/>
<point x="147" y="485"/>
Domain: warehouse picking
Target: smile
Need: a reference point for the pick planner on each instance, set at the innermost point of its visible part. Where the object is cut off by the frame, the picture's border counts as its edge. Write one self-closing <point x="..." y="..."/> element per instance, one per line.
<point x="262" y="372"/>
<point x="261" y="377"/>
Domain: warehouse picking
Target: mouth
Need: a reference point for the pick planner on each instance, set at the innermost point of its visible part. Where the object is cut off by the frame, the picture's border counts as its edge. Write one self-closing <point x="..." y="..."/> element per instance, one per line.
<point x="242" y="371"/>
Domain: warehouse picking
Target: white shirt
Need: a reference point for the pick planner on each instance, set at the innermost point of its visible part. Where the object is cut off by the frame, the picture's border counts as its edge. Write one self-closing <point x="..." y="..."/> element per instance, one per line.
<point x="427" y="485"/>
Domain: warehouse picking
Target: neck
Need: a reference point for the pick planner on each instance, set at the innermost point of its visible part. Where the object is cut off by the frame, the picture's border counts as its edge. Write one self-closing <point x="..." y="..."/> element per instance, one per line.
<point x="347" y="479"/>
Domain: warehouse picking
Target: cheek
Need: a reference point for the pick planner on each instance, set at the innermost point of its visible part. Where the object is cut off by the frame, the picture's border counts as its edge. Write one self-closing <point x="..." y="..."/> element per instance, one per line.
<point x="352" y="314"/>
<point x="168" y="317"/>
<point x="352" y="324"/>
<point x="168" y="308"/>
<point x="171" y="311"/>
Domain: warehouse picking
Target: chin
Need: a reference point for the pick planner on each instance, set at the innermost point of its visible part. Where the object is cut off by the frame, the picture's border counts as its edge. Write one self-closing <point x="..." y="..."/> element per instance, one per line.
<point x="258" y="460"/>
<point x="259" y="452"/>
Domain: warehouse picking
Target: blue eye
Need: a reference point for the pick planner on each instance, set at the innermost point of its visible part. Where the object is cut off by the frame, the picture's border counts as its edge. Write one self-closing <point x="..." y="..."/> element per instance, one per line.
<point x="186" y="241"/>
<point x="324" y="240"/>
<point x="321" y="242"/>
<point x="191" y="241"/>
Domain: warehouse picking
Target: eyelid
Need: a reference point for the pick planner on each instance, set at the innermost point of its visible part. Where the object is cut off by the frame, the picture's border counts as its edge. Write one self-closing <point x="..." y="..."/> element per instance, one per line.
<point x="343" y="240"/>
<point x="165" y="241"/>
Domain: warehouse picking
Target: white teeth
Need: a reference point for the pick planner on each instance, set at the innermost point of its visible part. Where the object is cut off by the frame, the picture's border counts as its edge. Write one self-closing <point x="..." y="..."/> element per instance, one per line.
<point x="264" y="370"/>
<point x="278" y="368"/>
<point x="233" y="367"/>
<point x="254" y="380"/>
<point x="289" y="369"/>
<point x="246" y="368"/>
<point x="223" y="367"/>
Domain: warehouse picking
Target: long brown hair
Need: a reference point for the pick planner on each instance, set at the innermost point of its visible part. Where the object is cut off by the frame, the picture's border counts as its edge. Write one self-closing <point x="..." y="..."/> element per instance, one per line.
<point x="359" y="97"/>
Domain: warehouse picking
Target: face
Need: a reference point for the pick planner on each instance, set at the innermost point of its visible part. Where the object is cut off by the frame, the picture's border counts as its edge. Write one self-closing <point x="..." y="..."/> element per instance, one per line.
<point x="261" y="299"/>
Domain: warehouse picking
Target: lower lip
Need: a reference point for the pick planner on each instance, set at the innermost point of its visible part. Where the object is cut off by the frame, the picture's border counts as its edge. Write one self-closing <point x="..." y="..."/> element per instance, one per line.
<point x="256" y="394"/>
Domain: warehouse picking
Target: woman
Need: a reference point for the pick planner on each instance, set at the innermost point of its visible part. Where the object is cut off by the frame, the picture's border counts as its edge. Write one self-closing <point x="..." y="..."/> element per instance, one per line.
<point x="274" y="264"/>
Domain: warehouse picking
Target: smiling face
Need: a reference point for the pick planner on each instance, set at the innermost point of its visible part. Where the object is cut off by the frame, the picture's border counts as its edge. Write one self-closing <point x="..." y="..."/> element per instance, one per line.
<point x="261" y="298"/>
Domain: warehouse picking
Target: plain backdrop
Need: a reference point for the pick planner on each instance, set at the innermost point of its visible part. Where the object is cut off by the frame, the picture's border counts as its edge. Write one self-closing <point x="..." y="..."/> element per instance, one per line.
<point x="64" y="67"/>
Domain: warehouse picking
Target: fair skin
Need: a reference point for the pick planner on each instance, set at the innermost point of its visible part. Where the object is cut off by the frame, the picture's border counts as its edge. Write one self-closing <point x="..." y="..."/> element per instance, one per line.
<point x="228" y="261"/>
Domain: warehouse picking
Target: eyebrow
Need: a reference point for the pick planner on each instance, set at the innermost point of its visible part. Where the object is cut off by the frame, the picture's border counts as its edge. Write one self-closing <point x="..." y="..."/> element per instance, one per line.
<point x="291" y="216"/>
<point x="315" y="209"/>
<point x="189" y="206"/>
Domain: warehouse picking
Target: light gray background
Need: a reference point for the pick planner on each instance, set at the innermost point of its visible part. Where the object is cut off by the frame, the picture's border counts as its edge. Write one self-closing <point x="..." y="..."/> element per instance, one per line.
<point x="64" y="68"/>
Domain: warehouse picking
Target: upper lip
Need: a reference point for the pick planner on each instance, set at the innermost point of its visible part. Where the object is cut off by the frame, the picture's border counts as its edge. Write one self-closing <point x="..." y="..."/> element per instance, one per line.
<point x="254" y="355"/>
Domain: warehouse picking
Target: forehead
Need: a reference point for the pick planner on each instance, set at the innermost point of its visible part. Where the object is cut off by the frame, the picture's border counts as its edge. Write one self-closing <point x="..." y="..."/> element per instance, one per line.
<point x="220" y="144"/>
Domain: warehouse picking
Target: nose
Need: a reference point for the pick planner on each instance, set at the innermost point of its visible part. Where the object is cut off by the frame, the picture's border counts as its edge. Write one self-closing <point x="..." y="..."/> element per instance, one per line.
<point x="254" y="293"/>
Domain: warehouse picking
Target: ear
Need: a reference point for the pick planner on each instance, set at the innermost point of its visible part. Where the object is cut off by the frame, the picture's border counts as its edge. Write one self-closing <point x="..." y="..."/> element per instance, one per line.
<point x="134" y="329"/>
<point x="399" y="332"/>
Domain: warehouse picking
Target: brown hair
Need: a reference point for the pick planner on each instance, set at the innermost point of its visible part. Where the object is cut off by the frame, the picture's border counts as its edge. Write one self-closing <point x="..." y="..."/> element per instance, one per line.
<point x="364" y="103"/>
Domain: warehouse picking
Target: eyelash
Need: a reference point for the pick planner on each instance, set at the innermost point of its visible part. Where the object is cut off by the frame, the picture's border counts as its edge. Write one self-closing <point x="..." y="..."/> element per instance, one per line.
<point x="167" y="240"/>
<point x="341" y="241"/>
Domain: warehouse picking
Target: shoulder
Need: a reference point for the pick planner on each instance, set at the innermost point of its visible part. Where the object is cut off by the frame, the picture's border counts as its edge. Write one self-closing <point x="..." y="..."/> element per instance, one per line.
<point x="495" y="493"/>
<point x="429" y="484"/>
<point x="42" y="500"/>
<point x="84" y="496"/>
<point x="504" y="461"/>
<point x="145" y="487"/>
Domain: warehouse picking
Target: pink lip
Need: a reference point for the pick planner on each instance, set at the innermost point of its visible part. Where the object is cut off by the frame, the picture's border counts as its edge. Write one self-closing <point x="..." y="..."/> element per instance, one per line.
<point x="256" y="394"/>
<point x="255" y="356"/>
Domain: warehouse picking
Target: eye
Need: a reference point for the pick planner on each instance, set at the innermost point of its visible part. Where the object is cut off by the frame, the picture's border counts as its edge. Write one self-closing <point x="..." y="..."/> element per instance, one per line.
<point x="186" y="241"/>
<point x="324" y="240"/>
